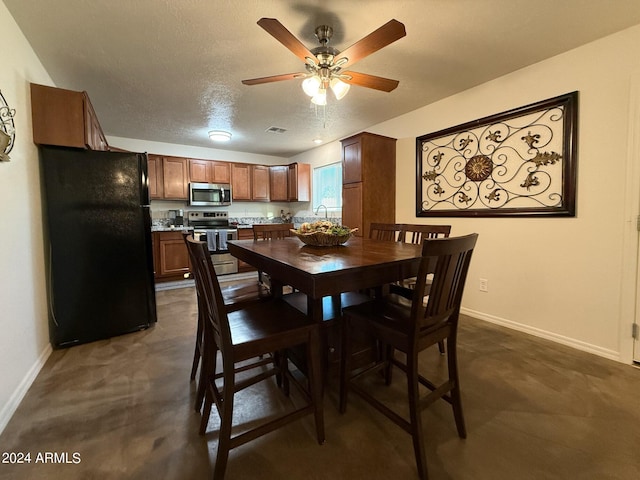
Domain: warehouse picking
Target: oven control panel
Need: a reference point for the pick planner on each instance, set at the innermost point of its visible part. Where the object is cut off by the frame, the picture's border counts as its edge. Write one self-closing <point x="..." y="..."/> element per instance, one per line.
<point x="200" y="216"/>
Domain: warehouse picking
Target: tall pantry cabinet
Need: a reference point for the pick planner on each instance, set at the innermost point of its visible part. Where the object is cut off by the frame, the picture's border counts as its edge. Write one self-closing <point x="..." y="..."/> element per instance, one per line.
<point x="368" y="181"/>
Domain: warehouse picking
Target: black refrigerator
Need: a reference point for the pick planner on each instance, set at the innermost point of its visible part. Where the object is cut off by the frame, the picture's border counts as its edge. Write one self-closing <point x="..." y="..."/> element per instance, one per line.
<point x="98" y="233"/>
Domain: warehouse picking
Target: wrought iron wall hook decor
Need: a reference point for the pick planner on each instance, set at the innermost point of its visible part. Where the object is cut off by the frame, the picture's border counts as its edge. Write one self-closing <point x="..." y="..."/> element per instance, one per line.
<point x="7" y="128"/>
<point x="520" y="162"/>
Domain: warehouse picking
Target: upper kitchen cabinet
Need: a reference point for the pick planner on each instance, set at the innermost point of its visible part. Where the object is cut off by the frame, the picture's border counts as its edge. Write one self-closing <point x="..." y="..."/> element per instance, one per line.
<point x="369" y="181"/>
<point x="156" y="177"/>
<point x="260" y="183"/>
<point x="65" y="118"/>
<point x="299" y="182"/>
<point x="168" y="177"/>
<point x="209" y="171"/>
<point x="290" y="183"/>
<point x="240" y="181"/>
<point x="175" y="181"/>
<point x="249" y="182"/>
<point x="278" y="183"/>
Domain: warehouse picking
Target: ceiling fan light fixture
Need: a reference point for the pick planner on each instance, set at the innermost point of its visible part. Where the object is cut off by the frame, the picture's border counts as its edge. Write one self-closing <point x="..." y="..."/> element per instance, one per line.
<point x="219" y="136"/>
<point x="339" y="88"/>
<point x="320" y="98"/>
<point x="311" y="85"/>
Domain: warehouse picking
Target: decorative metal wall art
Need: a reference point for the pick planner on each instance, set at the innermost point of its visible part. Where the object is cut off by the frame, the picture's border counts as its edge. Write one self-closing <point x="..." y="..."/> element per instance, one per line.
<point x="7" y="129"/>
<point x="520" y="162"/>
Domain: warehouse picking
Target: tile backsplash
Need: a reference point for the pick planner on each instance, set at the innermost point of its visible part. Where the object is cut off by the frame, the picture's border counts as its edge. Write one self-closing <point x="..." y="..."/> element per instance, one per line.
<point x="161" y="219"/>
<point x="247" y="213"/>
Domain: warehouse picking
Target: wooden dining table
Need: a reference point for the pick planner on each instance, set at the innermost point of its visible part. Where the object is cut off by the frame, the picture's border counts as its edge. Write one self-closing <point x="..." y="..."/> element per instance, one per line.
<point x="321" y="272"/>
<point x="329" y="278"/>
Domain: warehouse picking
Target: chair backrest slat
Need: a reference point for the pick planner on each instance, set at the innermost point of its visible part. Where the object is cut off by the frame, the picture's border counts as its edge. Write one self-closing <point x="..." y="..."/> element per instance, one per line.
<point x="385" y="231"/>
<point x="413" y="233"/>
<point x="272" y="231"/>
<point x="452" y="258"/>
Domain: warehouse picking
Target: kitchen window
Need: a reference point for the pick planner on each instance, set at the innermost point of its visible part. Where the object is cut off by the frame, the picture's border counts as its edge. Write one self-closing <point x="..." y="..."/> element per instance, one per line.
<point x="327" y="186"/>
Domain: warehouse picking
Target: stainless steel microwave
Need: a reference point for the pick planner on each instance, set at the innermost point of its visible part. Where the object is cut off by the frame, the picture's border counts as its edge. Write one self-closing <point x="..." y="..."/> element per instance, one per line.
<point x="209" y="194"/>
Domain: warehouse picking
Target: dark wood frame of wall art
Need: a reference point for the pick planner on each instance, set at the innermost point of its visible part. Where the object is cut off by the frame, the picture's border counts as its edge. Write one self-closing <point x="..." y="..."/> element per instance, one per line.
<point x="569" y="142"/>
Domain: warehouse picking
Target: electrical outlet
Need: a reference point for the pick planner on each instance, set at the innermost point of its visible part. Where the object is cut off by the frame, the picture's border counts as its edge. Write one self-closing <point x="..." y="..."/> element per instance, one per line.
<point x="484" y="285"/>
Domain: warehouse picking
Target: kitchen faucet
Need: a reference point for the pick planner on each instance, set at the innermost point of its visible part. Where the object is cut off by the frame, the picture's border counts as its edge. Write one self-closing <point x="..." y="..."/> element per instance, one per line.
<point x="325" y="210"/>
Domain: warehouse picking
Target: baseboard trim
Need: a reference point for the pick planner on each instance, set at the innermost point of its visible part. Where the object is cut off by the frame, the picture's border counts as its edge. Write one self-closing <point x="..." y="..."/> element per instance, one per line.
<point x="14" y="402"/>
<point x="537" y="332"/>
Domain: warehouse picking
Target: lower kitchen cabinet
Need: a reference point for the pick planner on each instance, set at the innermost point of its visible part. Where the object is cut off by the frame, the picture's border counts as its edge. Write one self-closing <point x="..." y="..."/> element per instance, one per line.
<point x="171" y="258"/>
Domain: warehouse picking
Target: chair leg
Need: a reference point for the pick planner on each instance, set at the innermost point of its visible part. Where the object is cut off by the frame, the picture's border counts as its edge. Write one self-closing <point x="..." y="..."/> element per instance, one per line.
<point x="206" y="412"/>
<point x="196" y="359"/>
<point x="388" y="367"/>
<point x="441" y="347"/>
<point x="197" y="353"/>
<point x="276" y="364"/>
<point x="345" y="370"/>
<point x="205" y="370"/>
<point x="456" y="398"/>
<point x="415" y="416"/>
<point x="200" y="391"/>
<point x="315" y="382"/>
<point x="283" y="366"/>
<point x="226" y="417"/>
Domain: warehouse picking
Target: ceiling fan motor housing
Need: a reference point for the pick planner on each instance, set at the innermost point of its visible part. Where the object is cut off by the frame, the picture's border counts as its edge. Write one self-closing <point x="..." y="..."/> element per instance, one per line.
<point x="324" y="34"/>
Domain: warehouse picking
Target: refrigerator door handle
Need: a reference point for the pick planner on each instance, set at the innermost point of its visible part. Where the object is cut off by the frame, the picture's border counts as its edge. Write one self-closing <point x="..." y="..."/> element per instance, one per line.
<point x="145" y="199"/>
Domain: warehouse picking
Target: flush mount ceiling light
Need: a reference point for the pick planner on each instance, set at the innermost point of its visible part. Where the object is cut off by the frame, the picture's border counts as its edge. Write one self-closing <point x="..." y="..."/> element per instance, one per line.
<point x="325" y="65"/>
<point x="219" y="136"/>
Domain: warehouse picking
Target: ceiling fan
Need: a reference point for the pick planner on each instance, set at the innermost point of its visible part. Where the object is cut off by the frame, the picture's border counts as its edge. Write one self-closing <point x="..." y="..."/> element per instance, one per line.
<point x="325" y="66"/>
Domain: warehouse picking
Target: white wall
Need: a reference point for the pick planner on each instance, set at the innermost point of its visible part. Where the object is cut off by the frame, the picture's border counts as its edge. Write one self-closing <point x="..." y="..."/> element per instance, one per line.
<point x="24" y="341"/>
<point x="566" y="279"/>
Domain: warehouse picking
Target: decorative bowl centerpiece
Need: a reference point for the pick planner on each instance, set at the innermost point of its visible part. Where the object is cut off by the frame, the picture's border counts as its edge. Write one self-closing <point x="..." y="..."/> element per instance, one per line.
<point x="323" y="234"/>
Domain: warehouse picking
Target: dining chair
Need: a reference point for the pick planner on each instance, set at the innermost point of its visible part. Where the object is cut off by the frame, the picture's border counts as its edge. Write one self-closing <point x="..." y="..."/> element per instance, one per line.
<point x="385" y="231"/>
<point x="240" y="339"/>
<point x="411" y="329"/>
<point x="412" y="233"/>
<point x="270" y="231"/>
<point x="416" y="233"/>
<point x="236" y="296"/>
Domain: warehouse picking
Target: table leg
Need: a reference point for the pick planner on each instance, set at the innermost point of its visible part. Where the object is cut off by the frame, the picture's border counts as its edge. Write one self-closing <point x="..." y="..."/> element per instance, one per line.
<point x="314" y="309"/>
<point x="276" y="288"/>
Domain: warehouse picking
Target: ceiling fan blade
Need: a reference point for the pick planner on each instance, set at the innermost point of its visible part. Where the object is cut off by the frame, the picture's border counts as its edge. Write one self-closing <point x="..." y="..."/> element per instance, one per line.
<point x="369" y="81"/>
<point x="388" y="33"/>
<point x="285" y="37"/>
<point x="274" y="78"/>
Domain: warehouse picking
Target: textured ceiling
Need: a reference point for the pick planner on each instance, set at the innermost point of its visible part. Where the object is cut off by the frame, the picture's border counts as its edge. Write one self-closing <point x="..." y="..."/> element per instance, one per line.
<point x="171" y="70"/>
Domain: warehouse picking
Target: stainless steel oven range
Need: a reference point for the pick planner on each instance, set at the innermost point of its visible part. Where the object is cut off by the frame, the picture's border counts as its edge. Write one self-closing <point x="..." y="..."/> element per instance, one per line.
<point x="213" y="227"/>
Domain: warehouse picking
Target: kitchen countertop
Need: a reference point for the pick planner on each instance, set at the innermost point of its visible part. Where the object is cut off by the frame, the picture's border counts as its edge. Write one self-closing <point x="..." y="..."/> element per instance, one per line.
<point x="170" y="229"/>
